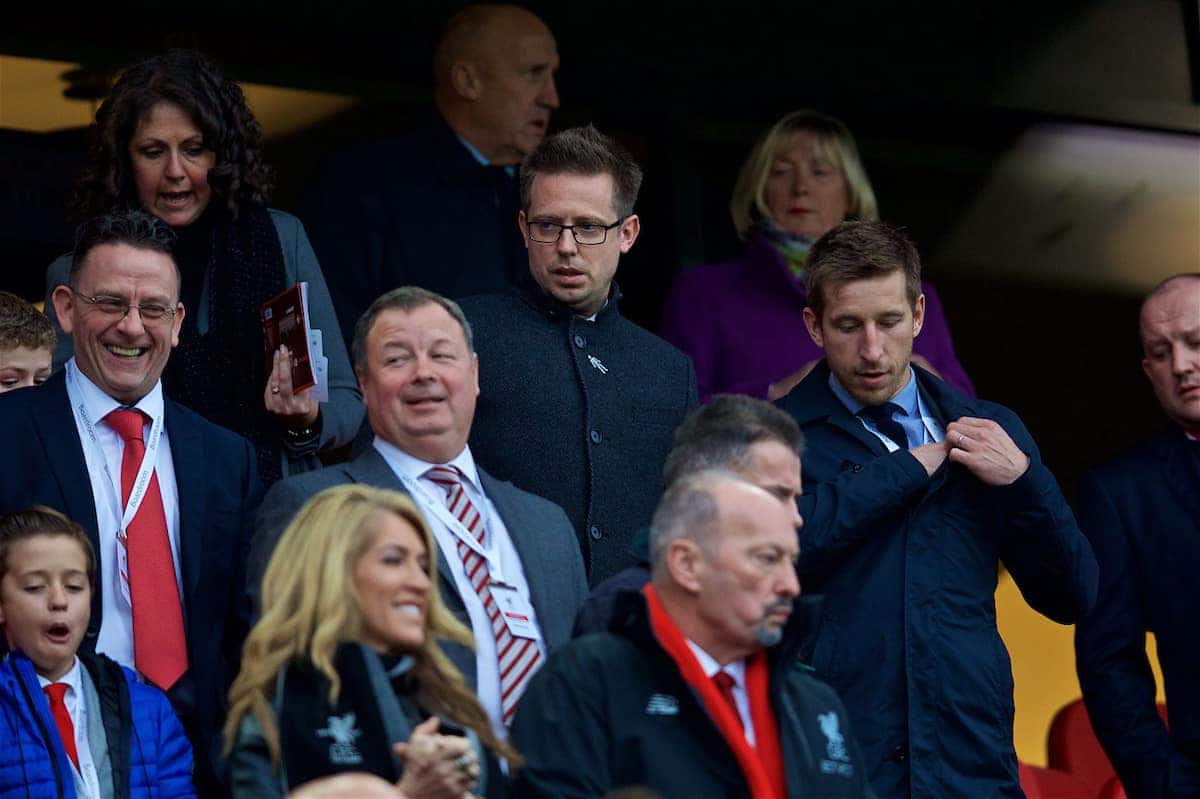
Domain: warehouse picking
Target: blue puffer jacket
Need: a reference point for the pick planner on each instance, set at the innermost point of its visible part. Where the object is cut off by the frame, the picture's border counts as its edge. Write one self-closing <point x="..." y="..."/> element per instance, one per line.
<point x="150" y="756"/>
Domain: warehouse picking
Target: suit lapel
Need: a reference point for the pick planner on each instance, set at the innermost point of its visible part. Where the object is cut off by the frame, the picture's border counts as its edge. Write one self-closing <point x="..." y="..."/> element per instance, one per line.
<point x="190" y="458"/>
<point x="54" y="424"/>
<point x="370" y="468"/>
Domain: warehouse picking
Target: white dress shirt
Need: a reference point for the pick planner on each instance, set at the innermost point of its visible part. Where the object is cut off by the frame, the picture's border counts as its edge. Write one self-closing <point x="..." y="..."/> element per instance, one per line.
<point x="737" y="670"/>
<point x="86" y="781"/>
<point x="500" y="548"/>
<point x="116" y="624"/>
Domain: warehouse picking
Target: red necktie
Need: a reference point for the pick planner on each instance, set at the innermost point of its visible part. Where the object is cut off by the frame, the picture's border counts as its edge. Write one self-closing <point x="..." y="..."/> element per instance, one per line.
<point x="518" y="657"/>
<point x="724" y="683"/>
<point x="159" y="647"/>
<point x="55" y="692"/>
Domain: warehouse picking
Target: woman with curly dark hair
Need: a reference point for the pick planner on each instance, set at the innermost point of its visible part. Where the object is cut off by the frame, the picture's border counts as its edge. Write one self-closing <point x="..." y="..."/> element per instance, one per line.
<point x="176" y="139"/>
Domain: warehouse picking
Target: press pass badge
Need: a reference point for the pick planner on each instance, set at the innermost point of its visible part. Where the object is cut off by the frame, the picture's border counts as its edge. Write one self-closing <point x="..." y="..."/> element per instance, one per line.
<point x="515" y="609"/>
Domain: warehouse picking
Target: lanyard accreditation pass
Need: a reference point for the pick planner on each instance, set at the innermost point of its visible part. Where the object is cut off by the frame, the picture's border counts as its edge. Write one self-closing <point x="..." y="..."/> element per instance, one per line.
<point x="457" y="528"/>
<point x="140" y="483"/>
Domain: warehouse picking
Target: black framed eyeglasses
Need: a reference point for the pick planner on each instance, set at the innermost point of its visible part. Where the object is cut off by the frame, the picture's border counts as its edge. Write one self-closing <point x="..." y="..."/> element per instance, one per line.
<point x="117" y="309"/>
<point x="584" y="233"/>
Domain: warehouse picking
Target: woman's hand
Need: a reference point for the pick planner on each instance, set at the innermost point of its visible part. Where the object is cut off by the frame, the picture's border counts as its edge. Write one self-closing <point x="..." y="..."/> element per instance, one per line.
<point x="437" y="766"/>
<point x="297" y="411"/>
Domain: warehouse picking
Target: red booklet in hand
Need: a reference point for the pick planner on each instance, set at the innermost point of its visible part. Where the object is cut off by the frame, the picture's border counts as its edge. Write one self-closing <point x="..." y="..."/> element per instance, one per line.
<point x="285" y="321"/>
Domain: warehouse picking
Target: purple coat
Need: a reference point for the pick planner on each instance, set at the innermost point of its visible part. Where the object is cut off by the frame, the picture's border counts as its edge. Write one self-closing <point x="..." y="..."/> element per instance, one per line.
<point x="742" y="323"/>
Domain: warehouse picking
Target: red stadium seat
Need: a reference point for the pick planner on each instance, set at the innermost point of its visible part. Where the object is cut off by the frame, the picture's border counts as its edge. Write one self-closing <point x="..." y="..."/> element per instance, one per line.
<point x="1071" y="747"/>
<point x="1113" y="790"/>
<point x="1048" y="783"/>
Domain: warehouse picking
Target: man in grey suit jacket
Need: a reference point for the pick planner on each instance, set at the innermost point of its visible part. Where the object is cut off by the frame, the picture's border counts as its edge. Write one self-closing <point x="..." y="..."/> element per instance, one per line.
<point x="508" y="561"/>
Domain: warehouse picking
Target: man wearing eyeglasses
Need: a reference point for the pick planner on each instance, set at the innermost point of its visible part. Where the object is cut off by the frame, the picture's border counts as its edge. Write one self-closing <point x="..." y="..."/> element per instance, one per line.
<point x="577" y="403"/>
<point x="167" y="497"/>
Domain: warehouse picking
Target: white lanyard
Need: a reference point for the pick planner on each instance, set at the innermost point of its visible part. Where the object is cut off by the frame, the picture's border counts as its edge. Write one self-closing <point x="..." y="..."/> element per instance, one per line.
<point x="457" y="528"/>
<point x="140" y="483"/>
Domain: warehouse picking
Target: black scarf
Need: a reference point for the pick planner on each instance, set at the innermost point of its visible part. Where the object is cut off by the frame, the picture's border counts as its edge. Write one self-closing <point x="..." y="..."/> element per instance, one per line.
<point x="221" y="374"/>
<point x="319" y="739"/>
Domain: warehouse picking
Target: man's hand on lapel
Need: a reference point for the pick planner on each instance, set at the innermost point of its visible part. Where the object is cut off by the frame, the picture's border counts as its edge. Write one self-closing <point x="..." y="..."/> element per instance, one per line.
<point x="986" y="449"/>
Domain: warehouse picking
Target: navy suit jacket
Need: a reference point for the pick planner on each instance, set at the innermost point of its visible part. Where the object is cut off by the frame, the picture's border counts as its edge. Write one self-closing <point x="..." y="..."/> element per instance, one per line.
<point x="1141" y="513"/>
<point x="219" y="491"/>
<point x="908" y="565"/>
<point x="543" y="538"/>
<point x="418" y="210"/>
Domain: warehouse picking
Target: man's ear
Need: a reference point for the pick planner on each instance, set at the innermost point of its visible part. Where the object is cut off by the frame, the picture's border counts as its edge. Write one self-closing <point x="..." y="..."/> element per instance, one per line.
<point x="919" y="315"/>
<point x="630" y="229"/>
<point x="464" y="77"/>
<point x="359" y="373"/>
<point x="524" y="228"/>
<point x="814" y="327"/>
<point x="685" y="563"/>
<point x="64" y="302"/>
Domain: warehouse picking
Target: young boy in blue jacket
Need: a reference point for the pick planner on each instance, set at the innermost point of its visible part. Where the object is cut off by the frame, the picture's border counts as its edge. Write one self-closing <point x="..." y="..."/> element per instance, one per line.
<point x="73" y="726"/>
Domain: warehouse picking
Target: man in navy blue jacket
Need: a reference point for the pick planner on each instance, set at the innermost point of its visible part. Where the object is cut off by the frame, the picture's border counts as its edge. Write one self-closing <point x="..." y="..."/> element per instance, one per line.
<point x="437" y="208"/>
<point x="1141" y="513"/>
<point x="913" y="495"/>
<point x="122" y="310"/>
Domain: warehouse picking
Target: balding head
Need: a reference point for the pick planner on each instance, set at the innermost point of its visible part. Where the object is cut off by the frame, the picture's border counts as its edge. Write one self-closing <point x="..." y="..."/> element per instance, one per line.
<point x="494" y="71"/>
<point x="1170" y="328"/>
<point x="724" y="556"/>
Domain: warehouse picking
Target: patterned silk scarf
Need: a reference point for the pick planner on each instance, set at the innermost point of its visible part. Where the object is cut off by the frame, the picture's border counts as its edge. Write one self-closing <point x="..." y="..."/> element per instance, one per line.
<point x="793" y="248"/>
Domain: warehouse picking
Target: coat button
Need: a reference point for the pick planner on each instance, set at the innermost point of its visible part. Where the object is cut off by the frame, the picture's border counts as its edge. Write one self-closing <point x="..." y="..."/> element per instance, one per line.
<point x="580" y="341"/>
<point x="595" y="532"/>
<point x="595" y="436"/>
<point x="899" y="754"/>
<point x="856" y="468"/>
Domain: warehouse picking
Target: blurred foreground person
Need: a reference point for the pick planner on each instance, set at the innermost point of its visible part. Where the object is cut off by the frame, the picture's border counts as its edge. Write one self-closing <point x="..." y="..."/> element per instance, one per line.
<point x="26" y="344"/>
<point x="344" y="671"/>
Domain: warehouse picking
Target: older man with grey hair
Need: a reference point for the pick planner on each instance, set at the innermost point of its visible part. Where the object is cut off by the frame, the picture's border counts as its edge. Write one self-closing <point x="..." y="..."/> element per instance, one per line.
<point x="508" y="564"/>
<point x="696" y="689"/>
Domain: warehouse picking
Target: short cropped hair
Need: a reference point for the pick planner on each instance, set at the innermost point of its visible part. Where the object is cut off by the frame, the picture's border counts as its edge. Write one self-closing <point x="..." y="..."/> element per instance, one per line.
<point x="134" y="228"/>
<point x="22" y="325"/>
<point x="584" y="151"/>
<point x="40" y="520"/>
<point x="832" y="140"/>
<point x="407" y="299"/>
<point x="688" y="509"/>
<point x="860" y="251"/>
<point x="719" y="436"/>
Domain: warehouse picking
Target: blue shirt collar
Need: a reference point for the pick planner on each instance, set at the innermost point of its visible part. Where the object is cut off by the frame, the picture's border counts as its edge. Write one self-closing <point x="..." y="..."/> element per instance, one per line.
<point x="479" y="157"/>
<point x="906" y="397"/>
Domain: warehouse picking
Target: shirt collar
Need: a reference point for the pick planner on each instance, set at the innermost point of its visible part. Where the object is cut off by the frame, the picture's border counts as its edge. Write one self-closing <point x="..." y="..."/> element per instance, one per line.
<point x="98" y="404"/>
<point x="735" y="669"/>
<point x="415" y="468"/>
<point x="480" y="158"/>
<point x="73" y="679"/>
<point x="906" y="397"/>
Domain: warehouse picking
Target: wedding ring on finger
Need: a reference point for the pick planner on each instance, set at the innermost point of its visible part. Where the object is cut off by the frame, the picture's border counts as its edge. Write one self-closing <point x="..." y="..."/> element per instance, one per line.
<point x="960" y="440"/>
<point x="463" y="761"/>
<point x="275" y="390"/>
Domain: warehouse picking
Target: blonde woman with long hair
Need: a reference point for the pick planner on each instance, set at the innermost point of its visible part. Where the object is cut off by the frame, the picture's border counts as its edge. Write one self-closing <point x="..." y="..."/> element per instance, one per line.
<point x="344" y="673"/>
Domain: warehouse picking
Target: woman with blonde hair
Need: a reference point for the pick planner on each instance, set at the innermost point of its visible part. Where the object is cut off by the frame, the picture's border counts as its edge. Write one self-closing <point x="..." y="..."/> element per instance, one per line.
<point x="742" y="321"/>
<point x="344" y="672"/>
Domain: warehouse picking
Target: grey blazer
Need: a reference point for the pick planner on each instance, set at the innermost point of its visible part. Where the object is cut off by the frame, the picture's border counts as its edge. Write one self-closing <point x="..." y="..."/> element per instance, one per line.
<point x="539" y="529"/>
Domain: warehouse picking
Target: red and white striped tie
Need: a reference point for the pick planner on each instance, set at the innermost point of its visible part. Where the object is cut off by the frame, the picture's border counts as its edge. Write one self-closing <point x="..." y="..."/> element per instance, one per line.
<point x="518" y="657"/>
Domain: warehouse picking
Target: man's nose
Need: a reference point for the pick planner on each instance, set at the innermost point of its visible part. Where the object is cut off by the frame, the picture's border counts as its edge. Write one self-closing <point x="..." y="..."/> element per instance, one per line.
<point x="132" y="323"/>
<point x="566" y="242"/>
<point x="871" y="344"/>
<point x="549" y="94"/>
<point x="789" y="585"/>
